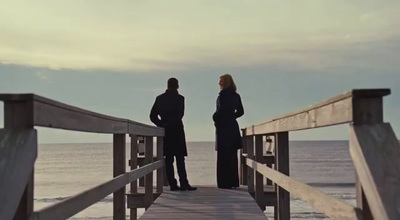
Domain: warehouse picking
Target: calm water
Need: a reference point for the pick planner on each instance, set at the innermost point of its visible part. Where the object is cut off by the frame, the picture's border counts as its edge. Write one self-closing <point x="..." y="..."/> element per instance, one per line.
<point x="63" y="170"/>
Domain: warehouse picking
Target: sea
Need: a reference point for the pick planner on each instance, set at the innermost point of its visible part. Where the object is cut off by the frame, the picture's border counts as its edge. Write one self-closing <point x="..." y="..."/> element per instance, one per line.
<point x="63" y="170"/>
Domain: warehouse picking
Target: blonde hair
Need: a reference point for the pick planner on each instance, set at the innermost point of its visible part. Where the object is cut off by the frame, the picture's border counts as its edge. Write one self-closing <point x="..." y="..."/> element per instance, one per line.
<point x="227" y="82"/>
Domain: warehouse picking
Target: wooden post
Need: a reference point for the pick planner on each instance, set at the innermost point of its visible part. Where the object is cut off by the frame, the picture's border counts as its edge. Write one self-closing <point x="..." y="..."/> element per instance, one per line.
<point x="250" y="171"/>
<point x="268" y="141"/>
<point x="282" y="209"/>
<point x="243" y="167"/>
<point x="141" y="148"/>
<point x="19" y="115"/>
<point x="148" y="180"/>
<point x="259" y="195"/>
<point x="134" y="164"/>
<point x="119" y="162"/>
<point x="366" y="111"/>
<point x="161" y="171"/>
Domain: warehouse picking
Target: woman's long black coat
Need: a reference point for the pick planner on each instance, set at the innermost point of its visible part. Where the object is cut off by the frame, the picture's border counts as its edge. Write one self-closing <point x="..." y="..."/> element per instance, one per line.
<point x="170" y="106"/>
<point x="229" y="108"/>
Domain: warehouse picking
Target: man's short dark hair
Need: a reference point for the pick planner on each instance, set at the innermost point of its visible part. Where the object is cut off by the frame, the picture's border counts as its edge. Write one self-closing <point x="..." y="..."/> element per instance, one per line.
<point x="173" y="83"/>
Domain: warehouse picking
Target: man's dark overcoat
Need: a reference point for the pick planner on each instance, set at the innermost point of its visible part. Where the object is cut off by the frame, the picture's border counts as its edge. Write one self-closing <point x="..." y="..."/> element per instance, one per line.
<point x="229" y="108"/>
<point x="170" y="106"/>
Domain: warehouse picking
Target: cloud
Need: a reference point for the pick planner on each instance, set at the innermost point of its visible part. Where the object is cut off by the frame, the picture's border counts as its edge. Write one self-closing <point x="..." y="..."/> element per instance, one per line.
<point x="43" y="76"/>
<point x="145" y="36"/>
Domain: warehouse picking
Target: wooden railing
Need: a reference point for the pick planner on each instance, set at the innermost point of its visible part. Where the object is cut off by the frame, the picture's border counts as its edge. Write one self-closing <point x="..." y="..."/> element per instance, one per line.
<point x="18" y="152"/>
<point x="374" y="148"/>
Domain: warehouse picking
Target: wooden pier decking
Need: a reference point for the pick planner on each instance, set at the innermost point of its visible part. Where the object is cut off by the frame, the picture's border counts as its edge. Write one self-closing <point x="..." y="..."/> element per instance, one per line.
<point x="207" y="202"/>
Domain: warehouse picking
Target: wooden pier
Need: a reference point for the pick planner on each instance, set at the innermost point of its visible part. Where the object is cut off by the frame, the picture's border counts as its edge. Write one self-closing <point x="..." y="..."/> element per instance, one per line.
<point x="207" y="203"/>
<point x="264" y="173"/>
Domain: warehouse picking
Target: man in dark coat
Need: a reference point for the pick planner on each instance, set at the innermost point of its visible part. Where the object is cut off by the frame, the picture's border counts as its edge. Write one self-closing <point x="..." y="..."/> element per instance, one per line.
<point x="167" y="112"/>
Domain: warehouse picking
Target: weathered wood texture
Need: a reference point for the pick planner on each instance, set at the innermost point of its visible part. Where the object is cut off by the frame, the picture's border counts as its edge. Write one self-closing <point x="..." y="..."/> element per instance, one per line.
<point x="79" y="202"/>
<point x="49" y="113"/>
<point x="282" y="209"/>
<point x="362" y="202"/>
<point x="243" y="167"/>
<point x="205" y="203"/>
<point x="18" y="152"/>
<point x="148" y="180"/>
<point x="333" y="111"/>
<point x="18" y="115"/>
<point x="250" y="171"/>
<point x="375" y="151"/>
<point x="119" y="167"/>
<point x="161" y="171"/>
<point x="137" y="200"/>
<point x="133" y="164"/>
<point x="259" y="191"/>
<point x="330" y="206"/>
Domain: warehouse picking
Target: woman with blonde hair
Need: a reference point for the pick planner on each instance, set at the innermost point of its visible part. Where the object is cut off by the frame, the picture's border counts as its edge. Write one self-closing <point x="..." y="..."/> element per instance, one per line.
<point x="228" y="138"/>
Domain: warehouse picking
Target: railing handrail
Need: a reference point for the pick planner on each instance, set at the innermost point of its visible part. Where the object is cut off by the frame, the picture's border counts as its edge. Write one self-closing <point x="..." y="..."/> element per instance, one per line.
<point x="328" y="205"/>
<point x="74" y="204"/>
<point x="373" y="148"/>
<point x="22" y="112"/>
<point x="340" y="109"/>
<point x="45" y="112"/>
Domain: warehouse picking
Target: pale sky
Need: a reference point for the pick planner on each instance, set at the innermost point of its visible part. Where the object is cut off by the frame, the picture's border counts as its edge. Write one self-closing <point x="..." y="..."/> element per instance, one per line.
<point x="113" y="57"/>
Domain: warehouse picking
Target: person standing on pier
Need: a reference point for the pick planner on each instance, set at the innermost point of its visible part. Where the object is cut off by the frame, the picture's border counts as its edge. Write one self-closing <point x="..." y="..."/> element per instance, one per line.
<point x="228" y="138"/>
<point x="167" y="112"/>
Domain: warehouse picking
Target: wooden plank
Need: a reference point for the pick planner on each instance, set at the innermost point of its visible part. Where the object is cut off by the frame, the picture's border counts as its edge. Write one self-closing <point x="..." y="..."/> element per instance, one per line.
<point x="18" y="152"/>
<point x="250" y="171"/>
<point x="376" y="151"/>
<point x="119" y="167"/>
<point x="259" y="192"/>
<point x="81" y="201"/>
<point x="362" y="202"/>
<point x="148" y="180"/>
<point x="136" y="200"/>
<point x="330" y="114"/>
<point x="330" y="206"/>
<point x="133" y="163"/>
<point x="25" y="207"/>
<point x="282" y="166"/>
<point x="333" y="111"/>
<point x="143" y="129"/>
<point x="205" y="203"/>
<point x="161" y="171"/>
<point x="53" y="114"/>
<point x="243" y="167"/>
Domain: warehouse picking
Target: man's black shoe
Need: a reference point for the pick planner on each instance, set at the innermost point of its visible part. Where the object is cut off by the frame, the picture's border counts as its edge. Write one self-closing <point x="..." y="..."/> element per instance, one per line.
<point x="175" y="188"/>
<point x="188" y="188"/>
